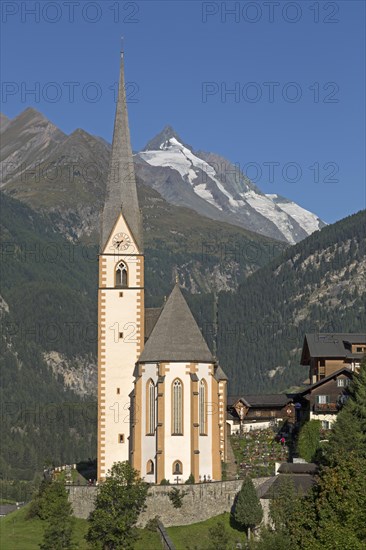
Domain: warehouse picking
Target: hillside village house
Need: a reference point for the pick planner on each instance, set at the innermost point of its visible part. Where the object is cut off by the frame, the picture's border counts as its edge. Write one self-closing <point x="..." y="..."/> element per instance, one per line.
<point x="332" y="359"/>
<point x="322" y="400"/>
<point x="326" y="353"/>
<point x="257" y="412"/>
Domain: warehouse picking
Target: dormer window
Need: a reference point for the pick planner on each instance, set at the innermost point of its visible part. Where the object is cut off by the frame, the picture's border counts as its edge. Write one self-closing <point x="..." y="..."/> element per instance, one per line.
<point x="121" y="275"/>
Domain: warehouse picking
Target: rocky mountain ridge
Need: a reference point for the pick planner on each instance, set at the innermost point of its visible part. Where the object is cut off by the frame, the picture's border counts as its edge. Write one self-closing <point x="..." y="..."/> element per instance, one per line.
<point x="66" y="175"/>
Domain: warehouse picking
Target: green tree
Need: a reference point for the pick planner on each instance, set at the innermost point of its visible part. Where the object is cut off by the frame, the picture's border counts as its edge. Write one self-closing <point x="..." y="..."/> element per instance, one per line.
<point x="248" y="511"/>
<point x="340" y="505"/>
<point x="291" y="513"/>
<point x="309" y="440"/>
<point x="219" y="537"/>
<point x="56" y="511"/>
<point x="119" y="502"/>
<point x="349" y="431"/>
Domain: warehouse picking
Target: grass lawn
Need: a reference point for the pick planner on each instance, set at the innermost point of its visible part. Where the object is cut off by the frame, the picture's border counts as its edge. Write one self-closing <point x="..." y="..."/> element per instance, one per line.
<point x="197" y="536"/>
<point x="18" y="533"/>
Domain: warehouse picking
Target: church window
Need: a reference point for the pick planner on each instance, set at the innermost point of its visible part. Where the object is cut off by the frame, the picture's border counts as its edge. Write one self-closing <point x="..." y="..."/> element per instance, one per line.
<point x="118" y="391"/>
<point x="149" y="467"/>
<point x="121" y="275"/>
<point x="177" y="408"/>
<point x="203" y="407"/>
<point x="121" y="438"/>
<point x="177" y="468"/>
<point x="150" y="407"/>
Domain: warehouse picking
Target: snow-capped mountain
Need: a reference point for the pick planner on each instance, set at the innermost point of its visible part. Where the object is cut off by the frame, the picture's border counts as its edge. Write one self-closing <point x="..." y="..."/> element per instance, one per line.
<point x="214" y="187"/>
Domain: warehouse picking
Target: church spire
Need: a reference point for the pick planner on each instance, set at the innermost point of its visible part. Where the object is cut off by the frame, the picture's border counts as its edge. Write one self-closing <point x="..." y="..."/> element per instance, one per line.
<point x="121" y="193"/>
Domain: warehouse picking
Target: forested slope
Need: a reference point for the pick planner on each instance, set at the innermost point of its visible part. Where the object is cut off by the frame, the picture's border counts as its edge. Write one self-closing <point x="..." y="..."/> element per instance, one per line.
<point x="317" y="285"/>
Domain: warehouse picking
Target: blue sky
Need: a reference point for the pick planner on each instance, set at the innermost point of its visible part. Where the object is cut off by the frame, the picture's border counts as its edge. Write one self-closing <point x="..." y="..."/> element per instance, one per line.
<point x="296" y="122"/>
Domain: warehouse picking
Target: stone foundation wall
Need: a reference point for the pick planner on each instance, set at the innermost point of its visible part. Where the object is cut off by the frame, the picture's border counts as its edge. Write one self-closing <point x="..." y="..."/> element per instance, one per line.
<point x="201" y="501"/>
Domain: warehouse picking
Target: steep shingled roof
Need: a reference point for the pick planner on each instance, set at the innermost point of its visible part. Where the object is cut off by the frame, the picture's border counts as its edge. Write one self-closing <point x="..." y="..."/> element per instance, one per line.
<point x="176" y="336"/>
<point x="330" y="345"/>
<point x="273" y="400"/>
<point x="121" y="192"/>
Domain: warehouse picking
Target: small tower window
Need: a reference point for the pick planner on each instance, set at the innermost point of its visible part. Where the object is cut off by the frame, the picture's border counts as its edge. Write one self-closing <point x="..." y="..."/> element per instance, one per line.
<point x="177" y="468"/>
<point x="149" y="467"/>
<point x="121" y="275"/>
<point x="177" y="402"/>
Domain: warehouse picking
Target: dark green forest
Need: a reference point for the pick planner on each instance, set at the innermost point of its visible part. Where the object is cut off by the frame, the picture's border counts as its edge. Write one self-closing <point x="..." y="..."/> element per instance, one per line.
<point x="318" y="285"/>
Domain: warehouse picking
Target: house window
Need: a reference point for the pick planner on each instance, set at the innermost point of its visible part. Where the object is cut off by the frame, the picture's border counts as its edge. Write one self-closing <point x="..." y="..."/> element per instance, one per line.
<point x="341" y="382"/>
<point x="150" y="407"/>
<point x="121" y="438"/>
<point x="177" y="468"/>
<point x="359" y="350"/>
<point x="149" y="467"/>
<point x="203" y="407"/>
<point x="121" y="275"/>
<point x="325" y="425"/>
<point x="177" y="407"/>
<point x="322" y="399"/>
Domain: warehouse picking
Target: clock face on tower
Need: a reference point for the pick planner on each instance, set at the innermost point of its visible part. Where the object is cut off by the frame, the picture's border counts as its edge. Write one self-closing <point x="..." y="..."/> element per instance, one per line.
<point x="121" y="241"/>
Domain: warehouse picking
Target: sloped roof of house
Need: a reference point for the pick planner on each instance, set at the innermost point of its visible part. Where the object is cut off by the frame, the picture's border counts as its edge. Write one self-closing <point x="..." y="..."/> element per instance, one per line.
<point x="302" y="483"/>
<point x="330" y="345"/>
<point x="343" y="370"/>
<point x="298" y="468"/>
<point x="273" y="400"/>
<point x="176" y="335"/>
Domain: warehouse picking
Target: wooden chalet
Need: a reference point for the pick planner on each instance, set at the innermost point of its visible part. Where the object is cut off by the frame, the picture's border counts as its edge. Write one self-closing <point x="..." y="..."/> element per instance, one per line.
<point x="253" y="412"/>
<point x="322" y="400"/>
<point x="326" y="353"/>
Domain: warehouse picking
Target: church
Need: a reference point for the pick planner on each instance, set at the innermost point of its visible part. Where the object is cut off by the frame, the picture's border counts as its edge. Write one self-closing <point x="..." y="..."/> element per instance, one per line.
<point x="161" y="393"/>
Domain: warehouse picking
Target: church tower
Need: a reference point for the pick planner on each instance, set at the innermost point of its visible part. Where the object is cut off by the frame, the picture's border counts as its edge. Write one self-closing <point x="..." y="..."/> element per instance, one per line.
<point x="120" y="296"/>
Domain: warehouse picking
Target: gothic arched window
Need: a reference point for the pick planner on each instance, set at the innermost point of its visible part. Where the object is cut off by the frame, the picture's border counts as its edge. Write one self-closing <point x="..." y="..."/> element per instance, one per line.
<point x="149" y="467"/>
<point x="177" y="407"/>
<point x="177" y="468"/>
<point x="121" y="275"/>
<point x="150" y="407"/>
<point x="203" y="407"/>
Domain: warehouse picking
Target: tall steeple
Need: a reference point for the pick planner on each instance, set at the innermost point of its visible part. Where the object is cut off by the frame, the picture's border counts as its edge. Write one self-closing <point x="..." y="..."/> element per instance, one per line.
<point x="121" y="193"/>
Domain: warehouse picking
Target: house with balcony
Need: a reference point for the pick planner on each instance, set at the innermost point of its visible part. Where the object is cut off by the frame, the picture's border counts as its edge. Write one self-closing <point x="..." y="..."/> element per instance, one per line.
<point x="326" y="353"/>
<point x="322" y="400"/>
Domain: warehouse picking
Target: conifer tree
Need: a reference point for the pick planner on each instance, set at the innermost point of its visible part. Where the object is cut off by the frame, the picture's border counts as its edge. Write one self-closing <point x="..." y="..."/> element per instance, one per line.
<point x="248" y="511"/>
<point x="309" y="439"/>
<point x="56" y="511"/>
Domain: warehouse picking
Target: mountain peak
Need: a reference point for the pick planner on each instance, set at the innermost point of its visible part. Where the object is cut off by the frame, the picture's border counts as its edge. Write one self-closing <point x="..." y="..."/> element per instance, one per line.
<point x="4" y="121"/>
<point x="167" y="133"/>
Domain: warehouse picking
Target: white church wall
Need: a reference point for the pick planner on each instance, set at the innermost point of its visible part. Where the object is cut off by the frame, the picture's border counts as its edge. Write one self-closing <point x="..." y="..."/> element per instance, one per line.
<point x="205" y="441"/>
<point x="148" y="447"/>
<point x="177" y="447"/>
